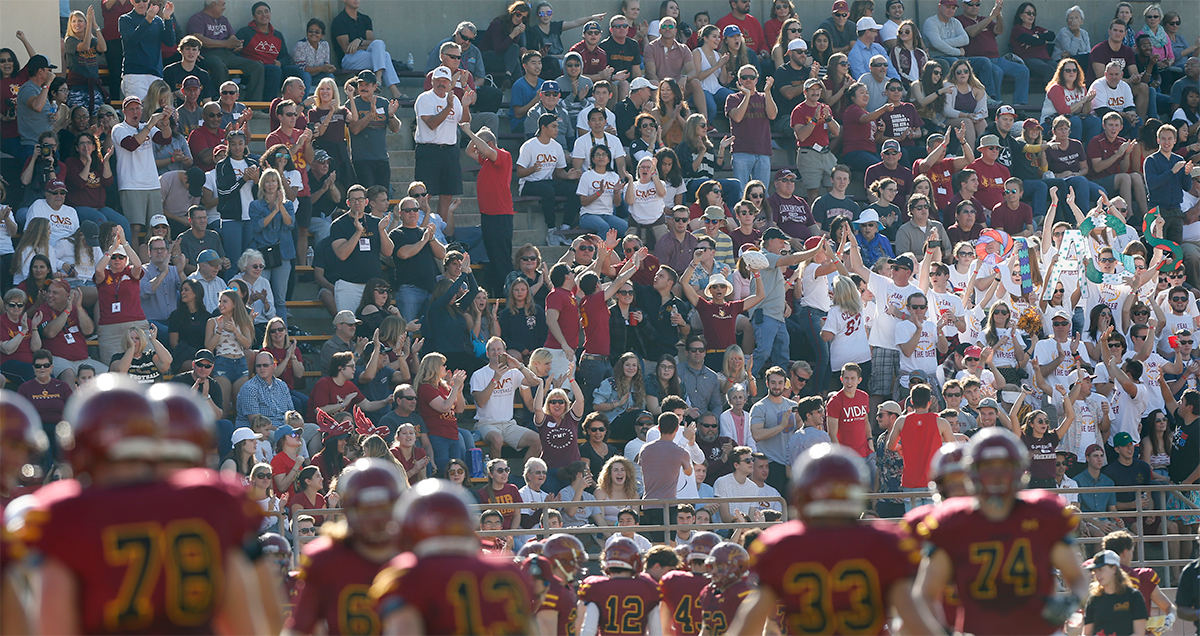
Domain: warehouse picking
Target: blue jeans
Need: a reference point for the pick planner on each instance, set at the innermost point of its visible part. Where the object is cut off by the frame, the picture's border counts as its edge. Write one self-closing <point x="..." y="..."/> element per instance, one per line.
<point x="235" y="236"/>
<point x="921" y="501"/>
<point x="230" y="368"/>
<point x="748" y="166"/>
<point x="716" y="102"/>
<point x="600" y="224"/>
<point x="100" y="215"/>
<point x="299" y="401"/>
<point x="279" y="277"/>
<point x="1084" y="190"/>
<point x="985" y="72"/>
<point x="810" y="320"/>
<point x="1002" y="68"/>
<point x="860" y="160"/>
<point x="1036" y="193"/>
<point x="224" y="437"/>
<point x="411" y="301"/>
<point x="311" y="81"/>
<point x="374" y="58"/>
<point x="771" y="342"/>
<point x="445" y="449"/>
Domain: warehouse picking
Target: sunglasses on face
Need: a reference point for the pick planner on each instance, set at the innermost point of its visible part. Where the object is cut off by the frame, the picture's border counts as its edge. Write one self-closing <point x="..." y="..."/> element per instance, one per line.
<point x="573" y="65"/>
<point x="202" y="365"/>
<point x="918" y="307"/>
<point x="453" y="57"/>
<point x="557" y="402"/>
<point x="1185" y="342"/>
<point x="747" y="77"/>
<point x="951" y="395"/>
<point x="262" y="365"/>
<point x="456" y="471"/>
<point x="61" y="193"/>
<point x="287" y="114"/>
<point x="1108" y="260"/>
<point x="800" y="379"/>
<point x="501" y="469"/>
<point x="878" y="64"/>
<point x="279" y="330"/>
<point x="229" y="92"/>
<point x="1142" y="312"/>
<point x="1061" y="323"/>
<point x="409" y="209"/>
<point x="307" y="531"/>
<point x="841" y="14"/>
<point x="119" y="257"/>
<point x="1010" y="191"/>
<point x="1173" y="23"/>
<point x="1177" y="299"/>
<point x="408" y="397"/>
<point x="1001" y="312"/>
<point x="696" y="349"/>
<point x="586" y="248"/>
<point x="971" y="359"/>
<point x="680" y="220"/>
<point x="529" y="259"/>
<point x="262" y="475"/>
<point x="597" y="430"/>
<point x="43" y="365"/>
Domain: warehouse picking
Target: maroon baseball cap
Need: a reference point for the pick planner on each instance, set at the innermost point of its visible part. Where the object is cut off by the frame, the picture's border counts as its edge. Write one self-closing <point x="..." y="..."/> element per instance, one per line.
<point x="841" y="5"/>
<point x="55" y="184"/>
<point x="1093" y="448"/>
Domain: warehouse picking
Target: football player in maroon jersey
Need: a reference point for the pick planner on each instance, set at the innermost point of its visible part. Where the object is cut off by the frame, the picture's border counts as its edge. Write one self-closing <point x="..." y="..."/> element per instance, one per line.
<point x="441" y="584"/>
<point x="720" y="599"/>
<point x="832" y="574"/>
<point x="622" y="601"/>
<point x="999" y="547"/>
<point x="947" y="479"/>
<point x="129" y="554"/>
<point x="679" y="591"/>
<point x="554" y="602"/>
<point x="566" y="554"/>
<point x="336" y="570"/>
<point x="20" y="433"/>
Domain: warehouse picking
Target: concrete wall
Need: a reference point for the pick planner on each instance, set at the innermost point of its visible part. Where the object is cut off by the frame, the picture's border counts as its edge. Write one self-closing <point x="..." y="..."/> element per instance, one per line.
<point x="415" y="26"/>
<point x="38" y="19"/>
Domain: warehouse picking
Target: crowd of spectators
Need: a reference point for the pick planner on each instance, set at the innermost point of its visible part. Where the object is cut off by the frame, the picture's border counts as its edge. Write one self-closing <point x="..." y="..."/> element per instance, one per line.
<point x="687" y="343"/>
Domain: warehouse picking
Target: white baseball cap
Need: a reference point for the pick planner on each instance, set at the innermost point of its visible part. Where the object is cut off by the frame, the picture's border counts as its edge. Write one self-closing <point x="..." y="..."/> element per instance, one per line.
<point x="866" y="23"/>
<point x="797" y="45"/>
<point x="442" y="72"/>
<point x="639" y="83"/>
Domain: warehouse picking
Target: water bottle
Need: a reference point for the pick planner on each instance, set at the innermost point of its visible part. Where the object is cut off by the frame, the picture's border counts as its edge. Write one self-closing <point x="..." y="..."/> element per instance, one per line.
<point x="309" y="259"/>
<point x="410" y="62"/>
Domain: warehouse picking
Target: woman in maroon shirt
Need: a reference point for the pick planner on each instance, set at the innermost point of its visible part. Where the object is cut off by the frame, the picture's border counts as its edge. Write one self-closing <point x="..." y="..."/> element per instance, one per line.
<point x="499" y="491"/>
<point x="1030" y="42"/>
<point x="117" y="282"/>
<point x="557" y="418"/>
<point x="18" y="338"/>
<point x="291" y="361"/>
<point x="858" y="128"/>
<point x="306" y="494"/>
<point x="439" y="402"/>
<point x="89" y="175"/>
<point x="12" y="76"/>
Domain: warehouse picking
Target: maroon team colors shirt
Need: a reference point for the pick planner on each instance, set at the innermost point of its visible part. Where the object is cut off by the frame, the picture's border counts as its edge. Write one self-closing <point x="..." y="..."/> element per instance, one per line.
<point x="560" y="598"/>
<point x="851" y="414"/>
<point x="680" y="591"/>
<point x="833" y="579"/>
<point x="335" y="585"/>
<point x="720" y="606"/>
<point x="594" y="311"/>
<point x="459" y="595"/>
<point x="625" y="604"/>
<point x="148" y="558"/>
<point x="1001" y="569"/>
<point x="568" y="317"/>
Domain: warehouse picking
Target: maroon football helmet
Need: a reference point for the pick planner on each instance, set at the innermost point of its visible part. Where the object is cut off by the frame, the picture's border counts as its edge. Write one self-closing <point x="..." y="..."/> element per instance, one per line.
<point x="829" y="481"/>
<point x="369" y="489"/>
<point x="566" y="553"/>
<point x="701" y="543"/>
<point x="190" y="425"/>
<point x="530" y="548"/>
<point x="435" y="518"/>
<point x="996" y="443"/>
<point x="20" y="432"/>
<point x="110" y="421"/>
<point x="947" y="461"/>
<point x="727" y="563"/>
<point x="683" y="552"/>
<point x="273" y="543"/>
<point x="621" y="554"/>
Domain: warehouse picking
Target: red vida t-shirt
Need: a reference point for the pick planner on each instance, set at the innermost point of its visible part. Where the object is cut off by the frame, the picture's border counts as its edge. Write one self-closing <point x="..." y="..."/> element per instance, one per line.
<point x="851" y="414"/>
<point x="568" y="317"/>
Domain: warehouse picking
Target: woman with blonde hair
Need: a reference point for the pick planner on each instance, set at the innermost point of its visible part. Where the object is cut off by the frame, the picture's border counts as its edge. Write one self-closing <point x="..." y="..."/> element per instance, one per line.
<point x="81" y="60"/>
<point x="158" y="96"/>
<point x="261" y="492"/>
<point x="145" y="358"/>
<point x="34" y="241"/>
<point x="522" y="321"/>
<point x="618" y="480"/>
<point x="330" y="118"/>
<point x="439" y="401"/>
<point x="845" y="329"/>
<point x="1008" y="345"/>
<point x="735" y="369"/>
<point x="375" y="446"/>
<point x="528" y="264"/>
<point x="289" y="365"/>
<point x="967" y="103"/>
<point x="272" y="217"/>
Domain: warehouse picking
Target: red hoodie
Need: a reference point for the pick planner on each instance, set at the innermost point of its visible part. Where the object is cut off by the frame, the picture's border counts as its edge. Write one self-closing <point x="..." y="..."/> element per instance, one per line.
<point x="262" y="47"/>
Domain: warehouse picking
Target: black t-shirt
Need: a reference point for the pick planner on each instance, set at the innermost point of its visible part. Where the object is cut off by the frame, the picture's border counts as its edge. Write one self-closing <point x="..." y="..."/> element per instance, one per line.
<point x="1185" y="454"/>
<point x="626" y="113"/>
<point x="622" y="57"/>
<point x="1136" y="474"/>
<point x="787" y="76"/>
<point x="141" y="368"/>
<point x="174" y="74"/>
<point x="1113" y="614"/>
<point x="214" y="388"/>
<point x="419" y="270"/>
<point x="349" y="27"/>
<point x="363" y="263"/>
<point x="190" y="327"/>
<point x="324" y="258"/>
<point x="325" y="205"/>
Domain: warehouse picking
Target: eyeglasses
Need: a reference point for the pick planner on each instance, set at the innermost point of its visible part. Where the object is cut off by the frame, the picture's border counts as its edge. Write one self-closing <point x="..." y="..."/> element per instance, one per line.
<point x="202" y="365"/>
<point x="747" y="77"/>
<point x="666" y="27"/>
<point x="1070" y="69"/>
<point x="229" y="92"/>
<point x="455" y="471"/>
<point x="1032" y="14"/>
<point x="597" y="430"/>
<point x="924" y="206"/>
<point x="43" y="365"/>
<point x="952" y="395"/>
<point x="418" y="195"/>
<point x="891" y="89"/>
<point x="1154" y="17"/>
<point x="556" y="402"/>
<point x="648" y="124"/>
<point x="592" y="32"/>
<point x="625" y="292"/>
<point x="1139" y="337"/>
<point x="1185" y="342"/>
<point x="962" y="71"/>
<point x="586" y="248"/>
<point x="453" y="57"/>
<point x="793" y="30"/>
<point x="307" y="531"/>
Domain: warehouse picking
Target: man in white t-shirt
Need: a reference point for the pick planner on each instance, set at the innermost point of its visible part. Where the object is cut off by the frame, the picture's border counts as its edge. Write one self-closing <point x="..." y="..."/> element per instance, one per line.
<point x="1176" y="316"/>
<point x="919" y="340"/>
<point x="494" y="387"/>
<point x="737" y="484"/>
<point x="1056" y="355"/>
<point x="137" y="174"/>
<point x="64" y="220"/>
<point x="1114" y="94"/>
<point x="1091" y="416"/>
<point x="596" y="134"/>
<point x="1142" y="350"/>
<point x="891" y="294"/>
<point x="945" y="301"/>
<point x="1129" y="395"/>
<point x="542" y="172"/>
<point x="436" y="162"/>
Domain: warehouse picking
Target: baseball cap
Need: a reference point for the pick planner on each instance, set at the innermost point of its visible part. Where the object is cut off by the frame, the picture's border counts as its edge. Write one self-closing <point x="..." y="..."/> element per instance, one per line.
<point x="841" y="5"/>
<point x="130" y="100"/>
<point x="812" y="81"/>
<point x="1093" y="448"/>
<point x="195" y="179"/>
<point x="891" y="2"/>
<point x="1060" y="313"/>
<point x="345" y="317"/>
<point x="1031" y="123"/>
<point x="639" y="83"/>
<point x="903" y="262"/>
<point x="242" y="434"/>
<point x="37" y="63"/>
<point x="1196" y="172"/>
<point x="891" y="144"/>
<point x="550" y="86"/>
<point x="204" y="354"/>
<point x="949" y="3"/>
<point x="797" y="45"/>
<point x="1006" y="110"/>
<point x="55" y="184"/>
<point x="731" y="31"/>
<point x="812" y="242"/>
<point x="891" y="407"/>
<point x="1080" y="375"/>
<point x="545" y="119"/>
<point x="1103" y="558"/>
<point x="973" y="352"/>
<point x="784" y="173"/>
<point x="645" y="415"/>
<point x="714" y="212"/>
<point x="321" y="156"/>
<point x="440" y="72"/>
<point x="91" y="233"/>
<point x="870" y="216"/>
<point x="368" y="77"/>
<point x="120" y="249"/>
<point x="989" y="141"/>
<point x="158" y="219"/>
<point x="866" y="23"/>
<point x="282" y="432"/>
<point x="1122" y="439"/>
<point x="989" y="403"/>
<point x="207" y="256"/>
<point x="1069" y="453"/>
<point x="774" y="233"/>
<point x="191" y="81"/>
<point x="591" y="26"/>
